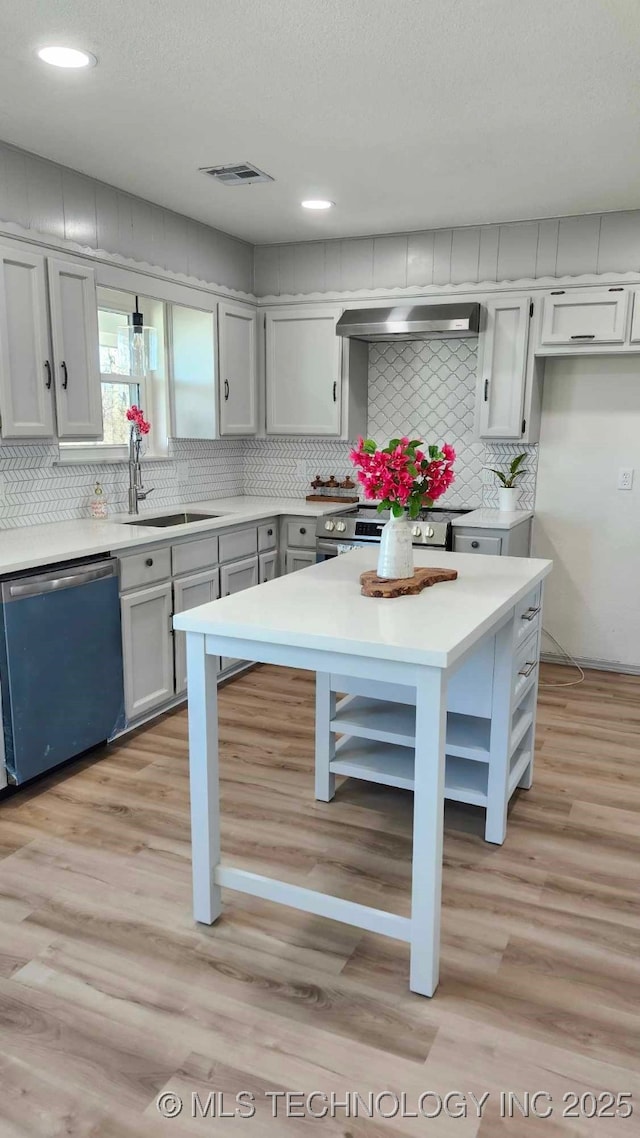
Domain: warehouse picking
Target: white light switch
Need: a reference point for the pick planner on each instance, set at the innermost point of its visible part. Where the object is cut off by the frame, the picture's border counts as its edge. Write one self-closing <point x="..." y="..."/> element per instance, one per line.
<point x="625" y="478"/>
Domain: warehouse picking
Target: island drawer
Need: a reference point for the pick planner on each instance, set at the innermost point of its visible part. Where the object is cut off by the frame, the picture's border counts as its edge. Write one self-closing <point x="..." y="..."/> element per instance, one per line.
<point x="237" y="544"/>
<point x="528" y="614"/>
<point x="478" y="544"/>
<point x="301" y="534"/>
<point x="527" y="662"/>
<point x="138" y="569"/>
<point x="189" y="556"/>
<point x="267" y="536"/>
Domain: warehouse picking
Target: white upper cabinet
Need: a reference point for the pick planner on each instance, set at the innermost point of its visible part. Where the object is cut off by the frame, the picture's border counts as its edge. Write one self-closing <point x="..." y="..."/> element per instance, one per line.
<point x="74" y="330"/>
<point x="193" y="370"/>
<point x="635" y="319"/>
<point x="26" y="372"/>
<point x="596" y="317"/>
<point x="237" y="345"/>
<point x="502" y="368"/>
<point x="303" y="371"/>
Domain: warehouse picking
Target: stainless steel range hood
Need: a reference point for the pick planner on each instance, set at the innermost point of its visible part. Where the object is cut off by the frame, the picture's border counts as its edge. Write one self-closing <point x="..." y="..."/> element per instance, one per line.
<point x="410" y="322"/>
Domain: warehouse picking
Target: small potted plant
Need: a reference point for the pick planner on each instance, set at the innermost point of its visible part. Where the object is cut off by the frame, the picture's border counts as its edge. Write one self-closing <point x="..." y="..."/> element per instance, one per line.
<point x="508" y="491"/>
<point x="404" y="478"/>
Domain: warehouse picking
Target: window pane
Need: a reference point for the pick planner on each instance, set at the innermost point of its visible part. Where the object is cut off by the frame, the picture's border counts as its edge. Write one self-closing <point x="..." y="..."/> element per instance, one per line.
<point x="116" y="398"/>
<point x="113" y="359"/>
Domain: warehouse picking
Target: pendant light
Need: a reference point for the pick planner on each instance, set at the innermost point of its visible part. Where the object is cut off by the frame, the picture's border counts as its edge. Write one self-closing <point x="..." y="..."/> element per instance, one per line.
<point x="137" y="345"/>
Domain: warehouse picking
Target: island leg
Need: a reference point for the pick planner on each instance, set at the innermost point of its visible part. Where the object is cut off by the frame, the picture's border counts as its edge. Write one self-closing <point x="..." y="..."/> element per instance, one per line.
<point x="202" y="690"/>
<point x="325" y="739"/>
<point x="499" y="739"/>
<point x="428" y="812"/>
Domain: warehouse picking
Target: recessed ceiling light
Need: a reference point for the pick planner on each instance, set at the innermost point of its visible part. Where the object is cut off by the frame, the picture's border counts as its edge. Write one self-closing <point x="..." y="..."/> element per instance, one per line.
<point x="317" y="203"/>
<point x="66" y="57"/>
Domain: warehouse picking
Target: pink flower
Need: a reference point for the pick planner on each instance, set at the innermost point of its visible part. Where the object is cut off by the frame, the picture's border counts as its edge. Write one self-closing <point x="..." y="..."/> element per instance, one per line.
<point x="385" y="474"/>
<point x="135" y="415"/>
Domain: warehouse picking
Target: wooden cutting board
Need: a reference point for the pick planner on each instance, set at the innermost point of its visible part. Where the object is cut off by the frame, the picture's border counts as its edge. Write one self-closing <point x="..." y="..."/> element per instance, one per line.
<point x="375" y="586"/>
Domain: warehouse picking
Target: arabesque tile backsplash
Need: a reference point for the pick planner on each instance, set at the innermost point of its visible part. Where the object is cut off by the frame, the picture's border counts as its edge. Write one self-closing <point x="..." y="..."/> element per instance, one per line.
<point x="421" y="388"/>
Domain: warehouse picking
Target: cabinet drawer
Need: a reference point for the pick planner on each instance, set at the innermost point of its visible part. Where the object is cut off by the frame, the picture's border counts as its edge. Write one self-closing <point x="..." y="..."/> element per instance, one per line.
<point x="527" y="615"/>
<point x="477" y="544"/>
<point x="600" y="318"/>
<point x="527" y="662"/>
<point x="138" y="569"/>
<point x="267" y="536"/>
<point x="189" y="556"/>
<point x="237" y="544"/>
<point x="301" y="534"/>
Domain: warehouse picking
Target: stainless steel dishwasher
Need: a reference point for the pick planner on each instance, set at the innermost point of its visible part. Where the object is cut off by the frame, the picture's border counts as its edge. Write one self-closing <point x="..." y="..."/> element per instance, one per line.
<point x="60" y="664"/>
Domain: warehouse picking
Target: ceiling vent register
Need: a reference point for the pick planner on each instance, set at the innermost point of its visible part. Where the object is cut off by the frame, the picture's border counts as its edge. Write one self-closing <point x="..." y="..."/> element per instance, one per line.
<point x="240" y="174"/>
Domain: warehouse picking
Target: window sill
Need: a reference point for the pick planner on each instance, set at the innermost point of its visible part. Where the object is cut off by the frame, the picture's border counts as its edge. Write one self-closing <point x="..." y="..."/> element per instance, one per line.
<point x="110" y="456"/>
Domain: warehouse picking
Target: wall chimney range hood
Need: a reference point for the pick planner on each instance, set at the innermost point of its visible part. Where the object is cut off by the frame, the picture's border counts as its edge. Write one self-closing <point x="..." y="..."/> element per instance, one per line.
<point x="410" y="322"/>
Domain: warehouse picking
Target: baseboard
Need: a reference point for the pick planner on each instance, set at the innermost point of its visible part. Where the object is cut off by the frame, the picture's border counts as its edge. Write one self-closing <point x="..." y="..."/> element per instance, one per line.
<point x="597" y="665"/>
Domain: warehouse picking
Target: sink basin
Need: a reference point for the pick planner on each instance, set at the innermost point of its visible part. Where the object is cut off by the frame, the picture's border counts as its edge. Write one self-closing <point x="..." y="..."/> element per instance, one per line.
<point x="171" y="520"/>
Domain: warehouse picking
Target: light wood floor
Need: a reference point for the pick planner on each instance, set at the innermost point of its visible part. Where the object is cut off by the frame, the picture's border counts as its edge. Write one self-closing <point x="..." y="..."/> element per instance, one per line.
<point x="110" y="995"/>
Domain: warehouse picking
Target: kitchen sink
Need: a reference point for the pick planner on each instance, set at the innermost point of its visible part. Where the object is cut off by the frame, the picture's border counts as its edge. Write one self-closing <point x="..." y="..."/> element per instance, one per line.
<point x="171" y="520"/>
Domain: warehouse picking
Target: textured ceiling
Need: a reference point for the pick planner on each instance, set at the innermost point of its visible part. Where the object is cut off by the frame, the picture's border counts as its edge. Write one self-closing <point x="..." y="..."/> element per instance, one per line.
<point x="410" y="114"/>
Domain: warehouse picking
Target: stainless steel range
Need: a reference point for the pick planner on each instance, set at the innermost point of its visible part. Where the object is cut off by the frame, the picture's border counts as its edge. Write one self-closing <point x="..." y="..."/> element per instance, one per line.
<point x="342" y="532"/>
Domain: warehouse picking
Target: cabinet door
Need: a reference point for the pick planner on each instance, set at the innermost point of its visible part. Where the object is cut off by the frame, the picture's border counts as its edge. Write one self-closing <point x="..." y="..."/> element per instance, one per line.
<point x="26" y="374"/>
<point x="303" y="371"/>
<point x="74" y="329"/>
<point x="237" y="355"/>
<point x="298" y="559"/>
<point x="234" y="578"/>
<point x="268" y="566"/>
<point x="193" y="372"/>
<point x="502" y="368"/>
<point x="198" y="589"/>
<point x="574" y="318"/>
<point x="147" y="649"/>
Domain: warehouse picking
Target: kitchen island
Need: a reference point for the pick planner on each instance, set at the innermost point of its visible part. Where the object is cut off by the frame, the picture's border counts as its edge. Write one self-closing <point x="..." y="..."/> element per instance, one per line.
<point x="317" y="620"/>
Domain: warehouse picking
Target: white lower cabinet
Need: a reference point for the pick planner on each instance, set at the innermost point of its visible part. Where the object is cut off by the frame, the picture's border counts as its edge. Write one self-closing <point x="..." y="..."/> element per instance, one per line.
<point x="298" y="559"/>
<point x="234" y="578"/>
<point x="147" y="644"/>
<point x="268" y="566"/>
<point x="188" y="593"/>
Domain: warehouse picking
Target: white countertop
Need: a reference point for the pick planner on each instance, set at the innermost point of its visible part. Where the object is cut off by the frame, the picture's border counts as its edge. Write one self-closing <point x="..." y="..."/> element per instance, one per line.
<point x="321" y="608"/>
<point x="32" y="546"/>
<point x="493" y="519"/>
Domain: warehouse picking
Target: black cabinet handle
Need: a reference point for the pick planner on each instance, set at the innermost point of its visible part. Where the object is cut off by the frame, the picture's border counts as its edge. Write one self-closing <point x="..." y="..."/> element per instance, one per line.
<point x="47" y="368"/>
<point x="65" y="381"/>
<point x="335" y="391"/>
<point x="226" y="389"/>
<point x="149" y="561"/>
<point x="475" y="544"/>
<point x="269" y="533"/>
<point x="302" y="529"/>
<point x="584" y="336"/>
<point x="558" y="292"/>
<point x="486" y="390"/>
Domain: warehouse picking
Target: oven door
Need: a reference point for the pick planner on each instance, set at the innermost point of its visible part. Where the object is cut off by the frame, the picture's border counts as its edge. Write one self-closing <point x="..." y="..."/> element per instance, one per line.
<point x="326" y="549"/>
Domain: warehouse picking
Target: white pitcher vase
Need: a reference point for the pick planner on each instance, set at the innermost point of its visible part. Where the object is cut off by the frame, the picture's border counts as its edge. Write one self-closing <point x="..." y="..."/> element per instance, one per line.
<point x="395" y="558"/>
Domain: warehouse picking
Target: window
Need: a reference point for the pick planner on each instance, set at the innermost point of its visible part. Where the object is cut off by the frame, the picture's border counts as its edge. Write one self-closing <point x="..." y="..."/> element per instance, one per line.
<point x="120" y="385"/>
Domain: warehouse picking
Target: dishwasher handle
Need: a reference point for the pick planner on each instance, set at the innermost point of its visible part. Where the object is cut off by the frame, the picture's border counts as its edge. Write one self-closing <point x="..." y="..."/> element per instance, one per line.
<point x="51" y="584"/>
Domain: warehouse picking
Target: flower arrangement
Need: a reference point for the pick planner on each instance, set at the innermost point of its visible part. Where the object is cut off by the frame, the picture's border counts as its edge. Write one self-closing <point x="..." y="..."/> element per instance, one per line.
<point x="402" y="475"/>
<point x="139" y="428"/>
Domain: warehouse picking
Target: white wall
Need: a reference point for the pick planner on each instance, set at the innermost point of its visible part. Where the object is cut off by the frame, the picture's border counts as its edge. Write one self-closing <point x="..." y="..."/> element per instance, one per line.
<point x="591" y="530"/>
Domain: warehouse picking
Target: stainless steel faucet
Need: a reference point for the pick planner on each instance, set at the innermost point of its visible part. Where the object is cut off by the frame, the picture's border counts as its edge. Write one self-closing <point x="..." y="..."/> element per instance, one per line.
<point x="137" y="493"/>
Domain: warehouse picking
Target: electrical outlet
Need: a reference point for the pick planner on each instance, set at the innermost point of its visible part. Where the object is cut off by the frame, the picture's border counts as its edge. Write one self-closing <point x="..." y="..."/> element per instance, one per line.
<point x="625" y="478"/>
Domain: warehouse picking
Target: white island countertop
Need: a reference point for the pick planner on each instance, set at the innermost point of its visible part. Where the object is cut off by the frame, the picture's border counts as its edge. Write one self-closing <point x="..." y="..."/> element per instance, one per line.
<point x="31" y="546"/>
<point x="321" y="608"/>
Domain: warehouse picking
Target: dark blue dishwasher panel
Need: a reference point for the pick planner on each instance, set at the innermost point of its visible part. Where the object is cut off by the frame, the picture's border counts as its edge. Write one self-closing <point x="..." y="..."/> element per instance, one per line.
<point x="61" y="673"/>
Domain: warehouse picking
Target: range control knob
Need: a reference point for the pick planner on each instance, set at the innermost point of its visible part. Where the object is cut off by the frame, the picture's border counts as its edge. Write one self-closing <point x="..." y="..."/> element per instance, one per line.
<point x="329" y="525"/>
<point x="416" y="531"/>
<point x="428" y="532"/>
<point x="341" y="527"/>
